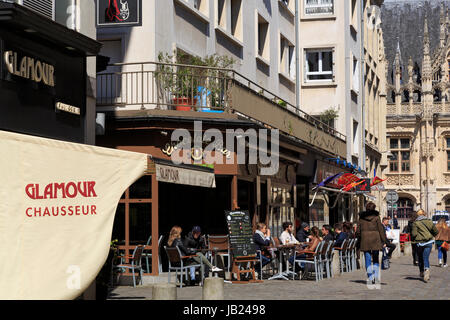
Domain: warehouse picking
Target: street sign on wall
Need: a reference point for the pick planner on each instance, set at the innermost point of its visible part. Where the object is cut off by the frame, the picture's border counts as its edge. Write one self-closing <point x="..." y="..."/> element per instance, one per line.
<point x="117" y="13"/>
<point x="392" y="196"/>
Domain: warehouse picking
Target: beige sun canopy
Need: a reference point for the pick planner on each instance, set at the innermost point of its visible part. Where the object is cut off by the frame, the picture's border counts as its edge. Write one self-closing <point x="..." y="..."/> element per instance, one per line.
<point x="58" y="201"/>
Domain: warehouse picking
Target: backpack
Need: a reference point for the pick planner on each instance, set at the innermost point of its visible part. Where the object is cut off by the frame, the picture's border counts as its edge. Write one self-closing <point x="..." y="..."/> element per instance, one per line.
<point x="385" y="263"/>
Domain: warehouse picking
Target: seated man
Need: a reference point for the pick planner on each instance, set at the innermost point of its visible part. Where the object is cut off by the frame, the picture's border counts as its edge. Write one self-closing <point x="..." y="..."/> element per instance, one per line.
<point x="194" y="241"/>
<point x="286" y="236"/>
<point x="326" y="233"/>
<point x="389" y="236"/>
<point x="303" y="233"/>
<point x="261" y="238"/>
<point x="340" y="235"/>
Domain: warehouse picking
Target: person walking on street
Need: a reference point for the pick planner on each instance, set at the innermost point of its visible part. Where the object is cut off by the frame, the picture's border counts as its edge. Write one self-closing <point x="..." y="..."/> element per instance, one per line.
<point x="395" y="222"/>
<point x="423" y="231"/>
<point x="412" y="218"/>
<point x="442" y="237"/>
<point x="389" y="237"/>
<point x="372" y="238"/>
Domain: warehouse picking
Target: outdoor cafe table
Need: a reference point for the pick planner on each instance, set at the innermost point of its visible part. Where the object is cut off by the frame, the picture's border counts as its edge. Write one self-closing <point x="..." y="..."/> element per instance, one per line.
<point x="284" y="254"/>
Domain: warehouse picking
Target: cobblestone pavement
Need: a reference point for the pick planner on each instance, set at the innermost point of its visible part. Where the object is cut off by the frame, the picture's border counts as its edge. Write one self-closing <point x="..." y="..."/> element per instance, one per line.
<point x="401" y="281"/>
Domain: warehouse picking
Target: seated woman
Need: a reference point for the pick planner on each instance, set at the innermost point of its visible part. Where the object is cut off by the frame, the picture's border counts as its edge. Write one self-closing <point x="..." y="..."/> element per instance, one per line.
<point x="314" y="242"/>
<point x="175" y="241"/>
<point x="261" y="238"/>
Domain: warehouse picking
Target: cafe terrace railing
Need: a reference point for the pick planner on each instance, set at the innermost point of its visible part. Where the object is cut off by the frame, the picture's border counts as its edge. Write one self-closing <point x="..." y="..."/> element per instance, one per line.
<point x="152" y="85"/>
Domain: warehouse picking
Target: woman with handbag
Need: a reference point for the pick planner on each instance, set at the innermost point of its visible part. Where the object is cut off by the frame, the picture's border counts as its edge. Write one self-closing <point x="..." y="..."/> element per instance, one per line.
<point x="442" y="242"/>
<point x="423" y="231"/>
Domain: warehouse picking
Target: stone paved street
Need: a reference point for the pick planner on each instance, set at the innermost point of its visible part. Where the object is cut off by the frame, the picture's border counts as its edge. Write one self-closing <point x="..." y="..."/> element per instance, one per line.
<point x="401" y="281"/>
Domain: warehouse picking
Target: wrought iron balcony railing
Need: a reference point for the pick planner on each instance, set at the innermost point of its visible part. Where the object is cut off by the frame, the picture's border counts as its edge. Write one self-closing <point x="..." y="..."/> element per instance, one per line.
<point x="151" y="85"/>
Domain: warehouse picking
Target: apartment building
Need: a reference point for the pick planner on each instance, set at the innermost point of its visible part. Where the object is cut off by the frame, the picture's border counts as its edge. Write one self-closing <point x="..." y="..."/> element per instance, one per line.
<point x="145" y="100"/>
<point x="333" y="35"/>
<point x="258" y="35"/>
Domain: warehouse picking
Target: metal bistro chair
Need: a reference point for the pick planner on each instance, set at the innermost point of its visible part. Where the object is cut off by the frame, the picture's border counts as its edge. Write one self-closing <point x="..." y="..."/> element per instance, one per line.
<point x="330" y="255"/>
<point x="341" y="251"/>
<point x="148" y="255"/>
<point x="323" y="258"/>
<point x="344" y="255"/>
<point x="314" y="259"/>
<point x="135" y="264"/>
<point x="177" y="263"/>
<point x="353" y="254"/>
<point x="219" y="245"/>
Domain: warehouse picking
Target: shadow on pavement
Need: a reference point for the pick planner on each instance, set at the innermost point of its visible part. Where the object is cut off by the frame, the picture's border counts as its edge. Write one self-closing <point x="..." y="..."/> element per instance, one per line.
<point x="364" y="282"/>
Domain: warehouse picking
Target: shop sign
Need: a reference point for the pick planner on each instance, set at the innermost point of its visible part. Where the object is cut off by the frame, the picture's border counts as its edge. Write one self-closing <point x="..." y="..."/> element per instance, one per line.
<point x="196" y="154"/>
<point x="29" y="68"/>
<point x="67" y="108"/>
<point x="179" y="175"/>
<point x="364" y="187"/>
<point x="115" y="13"/>
<point x="325" y="170"/>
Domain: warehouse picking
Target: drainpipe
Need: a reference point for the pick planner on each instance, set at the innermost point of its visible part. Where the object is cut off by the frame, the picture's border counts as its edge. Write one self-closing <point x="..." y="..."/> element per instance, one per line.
<point x="297" y="57"/>
<point x="363" y="91"/>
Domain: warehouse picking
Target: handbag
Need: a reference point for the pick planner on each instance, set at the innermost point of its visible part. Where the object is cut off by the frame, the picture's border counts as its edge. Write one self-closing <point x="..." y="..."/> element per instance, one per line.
<point x="444" y="246"/>
<point x="385" y="263"/>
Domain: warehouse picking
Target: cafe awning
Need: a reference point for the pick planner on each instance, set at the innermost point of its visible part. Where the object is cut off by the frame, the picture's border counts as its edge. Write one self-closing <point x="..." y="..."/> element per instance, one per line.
<point x="58" y="201"/>
<point x="193" y="175"/>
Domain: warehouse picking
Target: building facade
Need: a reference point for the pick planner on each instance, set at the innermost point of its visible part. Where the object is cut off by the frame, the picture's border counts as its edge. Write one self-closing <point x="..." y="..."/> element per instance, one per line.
<point x="144" y="100"/>
<point x="417" y="126"/>
<point x="343" y="73"/>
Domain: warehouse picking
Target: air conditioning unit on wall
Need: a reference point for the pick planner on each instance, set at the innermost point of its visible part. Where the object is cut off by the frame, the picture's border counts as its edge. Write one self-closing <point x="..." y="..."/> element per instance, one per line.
<point x="44" y="7"/>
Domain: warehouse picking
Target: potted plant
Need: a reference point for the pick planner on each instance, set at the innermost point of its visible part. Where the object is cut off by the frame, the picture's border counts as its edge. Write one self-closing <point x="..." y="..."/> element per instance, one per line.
<point x="103" y="279"/>
<point x="328" y="117"/>
<point x="189" y="85"/>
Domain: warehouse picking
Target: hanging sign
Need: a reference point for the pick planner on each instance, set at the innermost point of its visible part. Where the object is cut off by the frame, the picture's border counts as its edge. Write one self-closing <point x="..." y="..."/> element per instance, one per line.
<point x="113" y="13"/>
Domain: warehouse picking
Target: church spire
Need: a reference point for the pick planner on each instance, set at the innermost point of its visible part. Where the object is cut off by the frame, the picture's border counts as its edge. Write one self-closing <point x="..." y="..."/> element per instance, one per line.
<point x="426" y="38"/>
<point x="443" y="27"/>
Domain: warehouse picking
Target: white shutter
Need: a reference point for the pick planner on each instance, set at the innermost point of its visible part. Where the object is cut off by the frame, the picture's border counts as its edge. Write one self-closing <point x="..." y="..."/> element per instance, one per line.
<point x="44" y="7"/>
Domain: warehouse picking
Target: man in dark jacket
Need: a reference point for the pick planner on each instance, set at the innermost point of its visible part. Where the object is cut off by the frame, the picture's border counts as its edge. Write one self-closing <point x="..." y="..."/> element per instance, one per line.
<point x="372" y="238"/>
<point x="340" y="235"/>
<point x="326" y="233"/>
<point x="194" y="239"/>
<point x="303" y="233"/>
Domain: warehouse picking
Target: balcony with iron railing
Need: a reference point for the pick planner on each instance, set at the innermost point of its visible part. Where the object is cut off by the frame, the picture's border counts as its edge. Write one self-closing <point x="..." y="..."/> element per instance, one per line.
<point x="190" y="90"/>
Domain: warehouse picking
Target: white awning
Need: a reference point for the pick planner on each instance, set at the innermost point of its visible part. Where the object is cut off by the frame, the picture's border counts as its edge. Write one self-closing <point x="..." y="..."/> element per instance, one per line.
<point x="57" y="208"/>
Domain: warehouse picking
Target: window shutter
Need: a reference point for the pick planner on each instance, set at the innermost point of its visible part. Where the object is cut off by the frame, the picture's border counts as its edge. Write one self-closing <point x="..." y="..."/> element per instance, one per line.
<point x="44" y="7"/>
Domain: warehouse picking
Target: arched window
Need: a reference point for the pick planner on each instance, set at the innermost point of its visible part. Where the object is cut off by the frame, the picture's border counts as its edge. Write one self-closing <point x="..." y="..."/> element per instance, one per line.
<point x="447" y="205"/>
<point x="404" y="207"/>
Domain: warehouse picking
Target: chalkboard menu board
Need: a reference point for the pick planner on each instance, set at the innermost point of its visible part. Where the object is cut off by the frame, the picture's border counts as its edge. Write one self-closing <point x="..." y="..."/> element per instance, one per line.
<point x="240" y="232"/>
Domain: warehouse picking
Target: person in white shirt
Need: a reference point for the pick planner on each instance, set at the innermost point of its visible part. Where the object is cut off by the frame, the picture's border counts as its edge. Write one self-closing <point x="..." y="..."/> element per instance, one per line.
<point x="286" y="236"/>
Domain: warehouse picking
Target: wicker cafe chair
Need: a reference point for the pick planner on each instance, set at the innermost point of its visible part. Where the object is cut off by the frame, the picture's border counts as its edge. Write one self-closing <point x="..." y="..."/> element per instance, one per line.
<point x="135" y="264"/>
<point x="178" y="262"/>
<point x="312" y="259"/>
<point x="219" y="245"/>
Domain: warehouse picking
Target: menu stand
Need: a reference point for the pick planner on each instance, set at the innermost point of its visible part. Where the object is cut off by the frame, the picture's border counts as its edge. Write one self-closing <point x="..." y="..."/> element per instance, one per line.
<point x="236" y="268"/>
